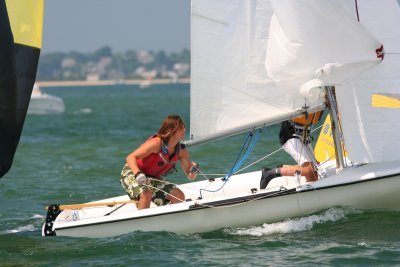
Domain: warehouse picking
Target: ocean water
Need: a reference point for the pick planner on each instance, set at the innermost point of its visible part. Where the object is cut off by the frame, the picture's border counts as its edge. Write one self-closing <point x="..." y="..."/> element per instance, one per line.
<point x="77" y="157"/>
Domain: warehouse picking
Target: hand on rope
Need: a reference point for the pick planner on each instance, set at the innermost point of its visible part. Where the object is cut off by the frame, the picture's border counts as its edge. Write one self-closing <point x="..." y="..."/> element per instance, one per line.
<point x="195" y="169"/>
<point x="141" y="179"/>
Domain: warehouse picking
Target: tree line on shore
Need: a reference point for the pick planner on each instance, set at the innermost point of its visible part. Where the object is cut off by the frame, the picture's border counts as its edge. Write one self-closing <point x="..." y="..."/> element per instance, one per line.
<point x="103" y="64"/>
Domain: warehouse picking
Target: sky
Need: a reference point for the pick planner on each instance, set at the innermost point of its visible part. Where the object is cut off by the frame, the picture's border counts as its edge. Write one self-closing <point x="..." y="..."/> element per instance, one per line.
<point x="87" y="25"/>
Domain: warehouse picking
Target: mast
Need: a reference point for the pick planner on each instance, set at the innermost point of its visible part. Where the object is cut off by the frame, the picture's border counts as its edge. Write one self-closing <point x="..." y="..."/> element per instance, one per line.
<point x="335" y="127"/>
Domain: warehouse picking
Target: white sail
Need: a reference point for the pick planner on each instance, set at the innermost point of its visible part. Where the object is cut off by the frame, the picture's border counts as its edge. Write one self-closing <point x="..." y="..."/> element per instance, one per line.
<point x="230" y="89"/>
<point x="369" y="107"/>
<point x="316" y="43"/>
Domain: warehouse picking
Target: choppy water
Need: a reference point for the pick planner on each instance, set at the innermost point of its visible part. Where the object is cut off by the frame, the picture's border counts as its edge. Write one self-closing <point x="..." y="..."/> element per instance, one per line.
<point x="77" y="157"/>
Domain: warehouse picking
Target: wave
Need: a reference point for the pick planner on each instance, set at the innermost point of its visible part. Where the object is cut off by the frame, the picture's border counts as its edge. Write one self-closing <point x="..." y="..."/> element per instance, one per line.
<point x="83" y="111"/>
<point x="298" y="224"/>
<point x="25" y="228"/>
<point x="30" y="227"/>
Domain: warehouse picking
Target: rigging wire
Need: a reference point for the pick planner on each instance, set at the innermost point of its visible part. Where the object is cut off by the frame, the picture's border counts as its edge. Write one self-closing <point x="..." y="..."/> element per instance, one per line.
<point x="256" y="161"/>
<point x="251" y="144"/>
<point x="272" y="153"/>
<point x="248" y="146"/>
<point x="250" y="141"/>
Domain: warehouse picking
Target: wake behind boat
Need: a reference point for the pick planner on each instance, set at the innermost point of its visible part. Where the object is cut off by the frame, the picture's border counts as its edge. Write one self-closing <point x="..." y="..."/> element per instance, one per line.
<point x="43" y="103"/>
<point x="258" y="63"/>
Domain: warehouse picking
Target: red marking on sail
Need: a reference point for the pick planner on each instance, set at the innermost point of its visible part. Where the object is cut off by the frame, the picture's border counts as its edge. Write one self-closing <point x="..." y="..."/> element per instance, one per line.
<point x="380" y="52"/>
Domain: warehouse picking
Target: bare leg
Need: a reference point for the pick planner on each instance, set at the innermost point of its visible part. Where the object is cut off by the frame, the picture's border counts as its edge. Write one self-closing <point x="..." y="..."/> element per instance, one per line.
<point x="144" y="200"/>
<point x="306" y="170"/>
<point x="177" y="196"/>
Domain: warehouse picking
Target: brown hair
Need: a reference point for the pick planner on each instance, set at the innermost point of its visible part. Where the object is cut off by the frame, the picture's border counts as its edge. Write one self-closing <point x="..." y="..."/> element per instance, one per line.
<point x="170" y="125"/>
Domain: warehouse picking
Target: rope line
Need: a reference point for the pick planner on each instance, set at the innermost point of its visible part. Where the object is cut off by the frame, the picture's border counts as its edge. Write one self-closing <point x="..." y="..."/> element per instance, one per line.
<point x="249" y="143"/>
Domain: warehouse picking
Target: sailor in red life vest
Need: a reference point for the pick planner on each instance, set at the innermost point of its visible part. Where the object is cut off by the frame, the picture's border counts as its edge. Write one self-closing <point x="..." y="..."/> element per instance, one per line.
<point x="145" y="167"/>
<point x="295" y="139"/>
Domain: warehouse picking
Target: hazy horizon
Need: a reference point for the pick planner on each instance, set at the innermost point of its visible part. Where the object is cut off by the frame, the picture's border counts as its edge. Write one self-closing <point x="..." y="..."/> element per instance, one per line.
<point x="86" y="26"/>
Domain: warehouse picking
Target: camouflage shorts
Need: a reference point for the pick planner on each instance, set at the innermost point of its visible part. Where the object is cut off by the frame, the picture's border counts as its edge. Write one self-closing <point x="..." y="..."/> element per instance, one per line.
<point x="128" y="182"/>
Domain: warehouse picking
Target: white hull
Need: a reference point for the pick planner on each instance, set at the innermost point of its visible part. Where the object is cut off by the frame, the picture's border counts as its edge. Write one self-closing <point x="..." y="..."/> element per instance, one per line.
<point x="46" y="104"/>
<point x="374" y="186"/>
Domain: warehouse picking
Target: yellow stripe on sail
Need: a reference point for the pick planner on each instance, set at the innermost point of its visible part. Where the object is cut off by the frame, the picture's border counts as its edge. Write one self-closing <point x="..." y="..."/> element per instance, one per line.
<point x="26" y="18"/>
<point x="325" y="149"/>
<point x="385" y="100"/>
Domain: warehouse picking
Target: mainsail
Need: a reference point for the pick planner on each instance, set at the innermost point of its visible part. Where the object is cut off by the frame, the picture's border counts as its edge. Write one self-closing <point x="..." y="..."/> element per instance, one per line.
<point x="255" y="63"/>
<point x="230" y="89"/>
<point x="21" y="24"/>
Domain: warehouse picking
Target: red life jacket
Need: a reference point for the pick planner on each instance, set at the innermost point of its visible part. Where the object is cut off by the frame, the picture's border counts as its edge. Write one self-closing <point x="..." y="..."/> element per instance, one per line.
<point x="159" y="164"/>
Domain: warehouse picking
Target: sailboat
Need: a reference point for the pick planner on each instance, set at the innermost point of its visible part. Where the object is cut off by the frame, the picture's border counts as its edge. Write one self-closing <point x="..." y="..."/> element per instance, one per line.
<point x="255" y="64"/>
<point x="43" y="103"/>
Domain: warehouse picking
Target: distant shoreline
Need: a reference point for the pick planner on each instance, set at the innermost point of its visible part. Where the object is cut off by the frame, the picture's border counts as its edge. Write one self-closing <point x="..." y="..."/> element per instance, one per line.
<point x="111" y="82"/>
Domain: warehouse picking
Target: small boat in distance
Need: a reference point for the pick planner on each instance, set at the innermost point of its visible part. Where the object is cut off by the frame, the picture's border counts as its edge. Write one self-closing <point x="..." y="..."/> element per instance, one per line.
<point x="42" y="103"/>
<point x="144" y="84"/>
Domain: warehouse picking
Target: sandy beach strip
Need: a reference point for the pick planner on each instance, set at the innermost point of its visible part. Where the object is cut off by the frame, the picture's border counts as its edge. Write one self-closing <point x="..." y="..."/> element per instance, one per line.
<point x="110" y="82"/>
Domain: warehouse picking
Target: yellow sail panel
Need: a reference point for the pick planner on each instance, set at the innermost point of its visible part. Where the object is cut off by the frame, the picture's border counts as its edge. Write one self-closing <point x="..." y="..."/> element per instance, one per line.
<point x="385" y="100"/>
<point x="325" y="149"/>
<point x="26" y="18"/>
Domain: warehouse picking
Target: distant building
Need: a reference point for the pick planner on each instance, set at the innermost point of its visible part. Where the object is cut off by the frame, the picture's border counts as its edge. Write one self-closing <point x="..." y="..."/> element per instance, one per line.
<point x="141" y="72"/>
<point x="170" y="74"/>
<point x="104" y="62"/>
<point x="93" y="77"/>
<point x="182" y="69"/>
<point x="145" y="57"/>
<point x="68" y="63"/>
<point x="145" y="65"/>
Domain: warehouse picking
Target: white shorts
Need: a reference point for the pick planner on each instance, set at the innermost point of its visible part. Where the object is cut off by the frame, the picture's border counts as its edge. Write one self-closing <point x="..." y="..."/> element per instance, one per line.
<point x="299" y="152"/>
